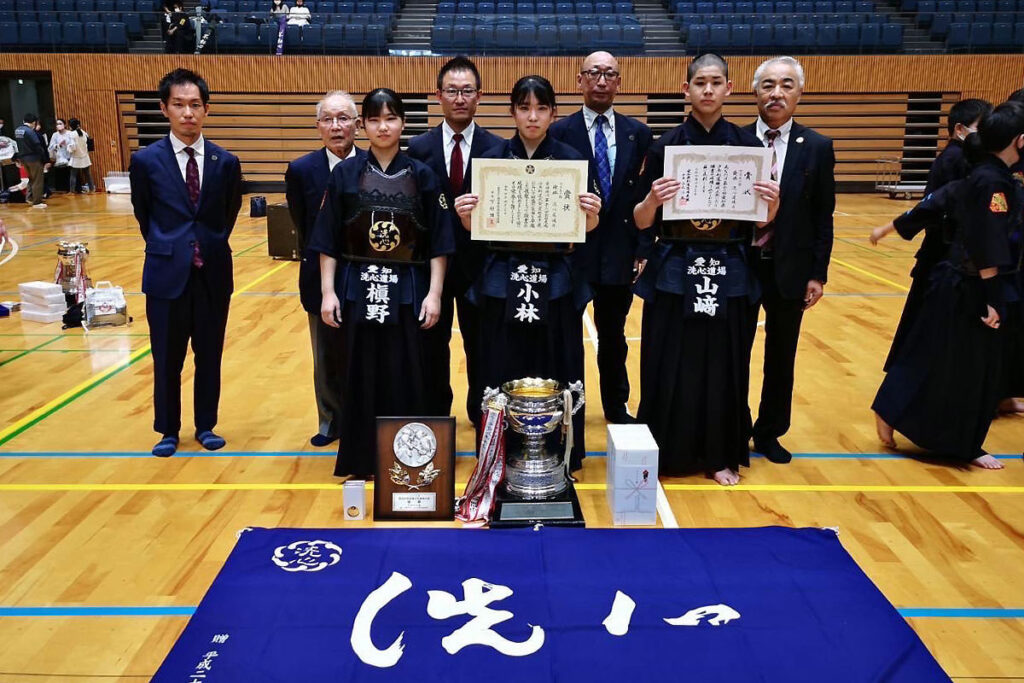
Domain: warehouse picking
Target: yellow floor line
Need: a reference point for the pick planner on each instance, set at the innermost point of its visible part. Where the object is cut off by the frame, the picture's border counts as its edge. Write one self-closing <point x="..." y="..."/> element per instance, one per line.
<point x="50" y="406"/>
<point x="336" y="486"/>
<point x="871" y="275"/>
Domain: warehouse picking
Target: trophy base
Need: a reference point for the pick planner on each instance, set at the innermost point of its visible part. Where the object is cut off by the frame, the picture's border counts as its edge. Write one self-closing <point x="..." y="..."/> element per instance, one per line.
<point x="560" y="510"/>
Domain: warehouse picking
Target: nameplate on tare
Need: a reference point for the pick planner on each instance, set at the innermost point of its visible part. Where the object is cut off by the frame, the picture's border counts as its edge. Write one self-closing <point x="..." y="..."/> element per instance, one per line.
<point x="529" y="201"/>
<point x="717" y="182"/>
<point x="413" y="502"/>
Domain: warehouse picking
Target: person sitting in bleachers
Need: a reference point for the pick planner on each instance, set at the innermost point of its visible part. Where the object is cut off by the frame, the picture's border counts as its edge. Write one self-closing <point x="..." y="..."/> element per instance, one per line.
<point x="180" y="36"/>
<point x="278" y="8"/>
<point x="299" y="15"/>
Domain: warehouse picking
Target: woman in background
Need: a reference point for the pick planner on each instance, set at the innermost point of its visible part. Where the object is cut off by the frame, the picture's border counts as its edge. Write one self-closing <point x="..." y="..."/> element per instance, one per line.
<point x="81" y="164"/>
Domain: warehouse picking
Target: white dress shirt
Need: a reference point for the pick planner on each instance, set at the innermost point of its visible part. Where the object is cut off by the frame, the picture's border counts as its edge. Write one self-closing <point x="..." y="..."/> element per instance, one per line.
<point x="333" y="159"/>
<point x="182" y="156"/>
<point x="589" y="117"/>
<point x="781" y="142"/>
<point x="448" y="139"/>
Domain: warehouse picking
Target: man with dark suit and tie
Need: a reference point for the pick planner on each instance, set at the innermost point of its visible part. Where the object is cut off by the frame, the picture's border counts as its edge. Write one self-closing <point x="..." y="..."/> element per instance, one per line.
<point x="791" y="253"/>
<point x="186" y="192"/>
<point x="615" y="251"/>
<point x="305" y="182"/>
<point x="447" y="149"/>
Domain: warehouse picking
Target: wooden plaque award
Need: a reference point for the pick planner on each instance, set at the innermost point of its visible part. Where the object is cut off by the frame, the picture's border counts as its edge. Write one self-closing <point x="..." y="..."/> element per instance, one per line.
<point x="415" y="471"/>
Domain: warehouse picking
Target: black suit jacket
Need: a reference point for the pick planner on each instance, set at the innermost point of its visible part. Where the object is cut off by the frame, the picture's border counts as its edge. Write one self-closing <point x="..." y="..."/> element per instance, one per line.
<point x="170" y="224"/>
<point x="305" y="182"/>
<point x="428" y="147"/>
<point x="803" y="225"/>
<point x="612" y="246"/>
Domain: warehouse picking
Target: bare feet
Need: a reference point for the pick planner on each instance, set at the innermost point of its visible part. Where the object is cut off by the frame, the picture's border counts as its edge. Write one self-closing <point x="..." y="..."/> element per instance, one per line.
<point x="987" y="462"/>
<point x="1012" y="405"/>
<point x="885" y="432"/>
<point x="726" y="477"/>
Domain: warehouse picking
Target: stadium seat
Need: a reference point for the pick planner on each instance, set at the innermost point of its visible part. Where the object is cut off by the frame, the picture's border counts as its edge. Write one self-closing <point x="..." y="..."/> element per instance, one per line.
<point x="462" y="37"/>
<point x="827" y="37"/>
<point x="623" y="8"/>
<point x="763" y="37"/>
<point x="446" y="8"/>
<point x="133" y="23"/>
<point x="65" y="6"/>
<point x="51" y="36"/>
<point x="95" y="35"/>
<point x="611" y="35"/>
<point x="441" y="37"/>
<point x="482" y="37"/>
<point x="355" y="37"/>
<point x="604" y="8"/>
<point x="697" y="38"/>
<point x="980" y="36"/>
<point x="248" y="37"/>
<point x="633" y="38"/>
<point x="785" y="37"/>
<point x="547" y="39"/>
<point x="29" y="35"/>
<point x="725" y="7"/>
<point x="72" y="35"/>
<point x="117" y="36"/>
<point x="958" y="37"/>
<point x="568" y="37"/>
<point x="740" y="37"/>
<point x="9" y="38"/>
<point x="292" y="39"/>
<point x="334" y="38"/>
<point x="376" y="37"/>
<point x="1002" y="36"/>
<point x="718" y="37"/>
<point x="870" y="36"/>
<point x="225" y="37"/>
<point x="892" y="37"/>
<point x="1018" y="33"/>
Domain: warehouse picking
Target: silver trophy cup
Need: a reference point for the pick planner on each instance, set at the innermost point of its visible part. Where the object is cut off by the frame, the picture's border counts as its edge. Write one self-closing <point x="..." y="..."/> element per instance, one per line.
<point x="535" y="407"/>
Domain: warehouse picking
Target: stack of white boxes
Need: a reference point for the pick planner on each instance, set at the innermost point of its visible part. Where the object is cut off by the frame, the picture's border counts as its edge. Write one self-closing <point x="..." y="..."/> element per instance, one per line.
<point x="632" y="475"/>
<point x="42" y="302"/>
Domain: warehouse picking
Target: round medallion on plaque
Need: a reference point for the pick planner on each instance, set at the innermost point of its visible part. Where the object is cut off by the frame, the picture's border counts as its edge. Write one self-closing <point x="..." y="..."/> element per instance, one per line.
<point x="415" y="444"/>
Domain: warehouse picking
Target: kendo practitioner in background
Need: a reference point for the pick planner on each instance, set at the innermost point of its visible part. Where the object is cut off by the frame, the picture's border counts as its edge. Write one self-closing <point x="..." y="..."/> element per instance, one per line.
<point x="535" y="332"/>
<point x="695" y="353"/>
<point x="945" y="381"/>
<point x="186" y="193"/>
<point x="305" y="181"/>
<point x="950" y="165"/>
<point x="180" y="34"/>
<point x="447" y="149"/>
<point x="791" y="255"/>
<point x="1013" y="328"/>
<point x="615" y="250"/>
<point x="383" y="235"/>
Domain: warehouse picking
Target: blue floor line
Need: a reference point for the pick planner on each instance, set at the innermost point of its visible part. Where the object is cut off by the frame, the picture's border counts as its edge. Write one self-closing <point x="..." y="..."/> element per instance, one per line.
<point x="461" y="454"/>
<point x="186" y="611"/>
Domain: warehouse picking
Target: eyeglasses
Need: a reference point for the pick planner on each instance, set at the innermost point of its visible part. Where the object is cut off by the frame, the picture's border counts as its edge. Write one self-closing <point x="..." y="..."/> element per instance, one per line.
<point x="332" y="120"/>
<point x="453" y="93"/>
<point x="596" y="75"/>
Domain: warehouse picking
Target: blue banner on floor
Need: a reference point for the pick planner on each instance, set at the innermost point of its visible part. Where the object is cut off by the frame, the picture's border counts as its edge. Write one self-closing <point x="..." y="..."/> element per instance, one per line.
<point x="389" y="605"/>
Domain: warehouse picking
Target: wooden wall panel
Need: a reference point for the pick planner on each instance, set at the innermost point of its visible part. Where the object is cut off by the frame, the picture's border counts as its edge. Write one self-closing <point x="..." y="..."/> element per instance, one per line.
<point x="86" y="85"/>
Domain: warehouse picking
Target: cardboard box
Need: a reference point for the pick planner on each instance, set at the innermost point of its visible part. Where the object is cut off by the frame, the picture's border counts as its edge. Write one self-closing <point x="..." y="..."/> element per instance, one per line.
<point x="632" y="475"/>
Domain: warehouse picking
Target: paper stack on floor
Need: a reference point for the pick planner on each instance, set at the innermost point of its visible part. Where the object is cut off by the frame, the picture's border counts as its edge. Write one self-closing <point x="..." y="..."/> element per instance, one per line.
<point x="42" y="302"/>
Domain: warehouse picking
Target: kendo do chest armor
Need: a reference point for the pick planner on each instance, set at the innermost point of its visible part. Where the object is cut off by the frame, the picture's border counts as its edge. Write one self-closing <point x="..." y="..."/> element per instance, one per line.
<point x="388" y="225"/>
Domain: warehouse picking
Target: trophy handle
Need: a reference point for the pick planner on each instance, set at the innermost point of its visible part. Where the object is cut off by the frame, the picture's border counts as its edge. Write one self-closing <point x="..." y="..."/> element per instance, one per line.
<point x="577" y="388"/>
<point x="492" y="398"/>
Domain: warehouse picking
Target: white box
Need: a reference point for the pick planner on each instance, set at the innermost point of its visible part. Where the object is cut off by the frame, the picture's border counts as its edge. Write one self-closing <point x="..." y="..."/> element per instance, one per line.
<point x="56" y="298"/>
<point x="353" y="498"/>
<point x="42" y="309"/>
<point x="41" y="317"/>
<point x="38" y="288"/>
<point x="632" y="475"/>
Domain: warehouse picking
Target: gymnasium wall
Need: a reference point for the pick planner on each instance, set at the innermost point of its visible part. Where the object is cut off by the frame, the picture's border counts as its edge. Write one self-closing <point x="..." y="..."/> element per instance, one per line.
<point x="262" y="106"/>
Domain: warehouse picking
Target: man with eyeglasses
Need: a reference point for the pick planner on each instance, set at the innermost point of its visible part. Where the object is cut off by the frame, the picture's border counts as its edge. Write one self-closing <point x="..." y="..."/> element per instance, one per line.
<point x="447" y="149"/>
<point x="305" y="183"/>
<point x="615" y="251"/>
<point x="790" y="255"/>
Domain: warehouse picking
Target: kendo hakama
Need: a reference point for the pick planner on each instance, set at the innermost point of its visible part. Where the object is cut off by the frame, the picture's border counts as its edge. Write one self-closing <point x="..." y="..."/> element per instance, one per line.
<point x="512" y="343"/>
<point x="1013" y="325"/>
<point x="945" y="381"/>
<point x="948" y="167"/>
<point x="695" y="357"/>
<point x="374" y="220"/>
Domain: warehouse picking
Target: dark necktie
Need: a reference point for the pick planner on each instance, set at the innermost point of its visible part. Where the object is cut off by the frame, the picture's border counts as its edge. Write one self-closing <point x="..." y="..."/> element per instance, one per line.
<point x="764" y="240"/>
<point x="455" y="172"/>
<point x="604" y="168"/>
<point x="192" y="184"/>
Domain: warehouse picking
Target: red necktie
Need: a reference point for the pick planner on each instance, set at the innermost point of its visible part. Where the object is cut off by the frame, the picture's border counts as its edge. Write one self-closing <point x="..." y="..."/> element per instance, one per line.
<point x="455" y="171"/>
<point x="192" y="176"/>
<point x="192" y="184"/>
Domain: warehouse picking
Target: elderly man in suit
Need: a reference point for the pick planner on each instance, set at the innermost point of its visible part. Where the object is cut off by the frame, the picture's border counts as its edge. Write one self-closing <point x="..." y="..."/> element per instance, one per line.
<point x="186" y="192"/>
<point x="615" y="251"/>
<point x="447" y="149"/>
<point x="305" y="182"/>
<point x="791" y="253"/>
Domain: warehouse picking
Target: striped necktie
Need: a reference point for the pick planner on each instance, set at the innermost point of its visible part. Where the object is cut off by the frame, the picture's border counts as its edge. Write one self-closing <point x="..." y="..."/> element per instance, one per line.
<point x="604" y="169"/>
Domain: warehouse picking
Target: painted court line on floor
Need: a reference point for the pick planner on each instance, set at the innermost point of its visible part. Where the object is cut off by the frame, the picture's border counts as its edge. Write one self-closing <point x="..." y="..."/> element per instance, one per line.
<point x="336" y="486"/>
<point x="49" y="408"/>
<point x="871" y="275"/>
<point x="189" y="610"/>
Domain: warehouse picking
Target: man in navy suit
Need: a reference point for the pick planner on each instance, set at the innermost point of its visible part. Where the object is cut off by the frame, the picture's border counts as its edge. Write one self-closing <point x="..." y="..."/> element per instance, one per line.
<point x="791" y="253"/>
<point x="447" y="149"/>
<point x="305" y="183"/>
<point x="186" y="192"/>
<point x="615" y="251"/>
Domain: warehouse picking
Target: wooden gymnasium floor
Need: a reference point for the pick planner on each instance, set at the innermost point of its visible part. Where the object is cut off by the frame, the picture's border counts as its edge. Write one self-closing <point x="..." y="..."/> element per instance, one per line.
<point x="89" y="520"/>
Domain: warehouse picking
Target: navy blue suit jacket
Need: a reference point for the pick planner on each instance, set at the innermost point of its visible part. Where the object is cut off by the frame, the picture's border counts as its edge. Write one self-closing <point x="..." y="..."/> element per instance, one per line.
<point x="305" y="183"/>
<point x="616" y="242"/>
<point x="170" y="224"/>
<point x="429" y="148"/>
<point x="803" y="225"/>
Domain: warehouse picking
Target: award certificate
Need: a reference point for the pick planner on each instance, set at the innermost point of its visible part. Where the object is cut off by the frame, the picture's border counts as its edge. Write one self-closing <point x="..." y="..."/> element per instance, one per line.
<point x="529" y="201"/>
<point x="717" y="182"/>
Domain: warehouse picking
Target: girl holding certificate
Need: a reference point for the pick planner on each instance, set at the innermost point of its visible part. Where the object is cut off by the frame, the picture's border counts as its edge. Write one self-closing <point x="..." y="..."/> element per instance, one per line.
<point x="383" y="235"/>
<point x="531" y="296"/>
